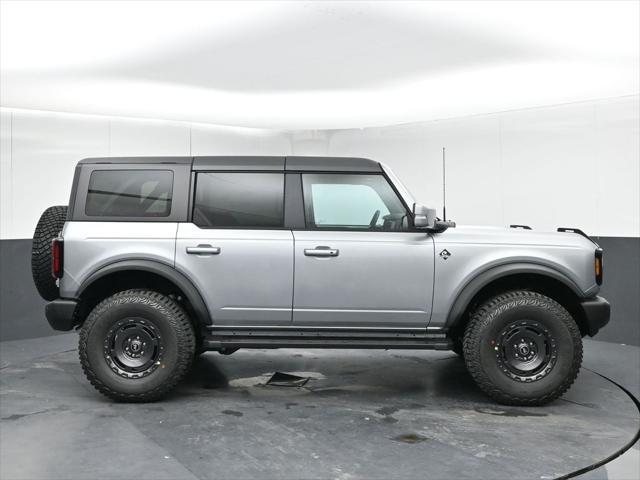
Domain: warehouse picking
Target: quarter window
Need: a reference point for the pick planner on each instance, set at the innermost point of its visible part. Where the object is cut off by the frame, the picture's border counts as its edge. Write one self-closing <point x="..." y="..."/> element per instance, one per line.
<point x="354" y="202"/>
<point x="239" y="200"/>
<point x="129" y="193"/>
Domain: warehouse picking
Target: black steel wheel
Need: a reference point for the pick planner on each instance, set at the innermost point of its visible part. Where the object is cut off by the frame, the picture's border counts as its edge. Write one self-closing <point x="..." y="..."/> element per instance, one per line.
<point x="523" y="348"/>
<point x="136" y="345"/>
<point x="133" y="348"/>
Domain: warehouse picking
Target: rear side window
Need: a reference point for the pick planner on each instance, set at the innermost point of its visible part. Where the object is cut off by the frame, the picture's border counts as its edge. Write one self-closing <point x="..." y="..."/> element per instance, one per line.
<point x="129" y="193"/>
<point x="239" y="200"/>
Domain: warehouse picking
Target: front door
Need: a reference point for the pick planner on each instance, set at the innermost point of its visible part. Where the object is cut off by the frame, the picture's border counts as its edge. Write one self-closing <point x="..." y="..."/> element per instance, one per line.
<point x="358" y="264"/>
<point x="236" y="250"/>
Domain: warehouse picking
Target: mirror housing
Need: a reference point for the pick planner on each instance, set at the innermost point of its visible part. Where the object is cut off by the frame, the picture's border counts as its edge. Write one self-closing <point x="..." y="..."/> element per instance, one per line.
<point x="420" y="221"/>
<point x="424" y="218"/>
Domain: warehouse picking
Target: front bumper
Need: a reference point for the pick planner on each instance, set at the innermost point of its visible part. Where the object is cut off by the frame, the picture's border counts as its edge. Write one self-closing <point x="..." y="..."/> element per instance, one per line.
<point x="59" y="314"/>
<point x="597" y="312"/>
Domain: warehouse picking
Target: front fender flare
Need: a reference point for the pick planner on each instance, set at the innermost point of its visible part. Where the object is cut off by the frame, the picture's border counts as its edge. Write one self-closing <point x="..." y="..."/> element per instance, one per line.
<point x="169" y="273"/>
<point x="483" y="279"/>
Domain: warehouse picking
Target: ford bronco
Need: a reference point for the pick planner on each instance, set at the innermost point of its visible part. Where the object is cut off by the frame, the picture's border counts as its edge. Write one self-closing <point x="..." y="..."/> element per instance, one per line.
<point x="156" y="260"/>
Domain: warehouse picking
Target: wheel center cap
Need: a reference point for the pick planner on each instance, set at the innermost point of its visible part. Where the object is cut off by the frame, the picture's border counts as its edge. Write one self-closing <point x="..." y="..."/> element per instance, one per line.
<point x="135" y="346"/>
<point x="523" y="349"/>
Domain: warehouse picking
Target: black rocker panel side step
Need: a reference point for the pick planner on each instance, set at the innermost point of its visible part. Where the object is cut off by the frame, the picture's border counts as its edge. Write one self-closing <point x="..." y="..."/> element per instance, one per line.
<point x="300" y="337"/>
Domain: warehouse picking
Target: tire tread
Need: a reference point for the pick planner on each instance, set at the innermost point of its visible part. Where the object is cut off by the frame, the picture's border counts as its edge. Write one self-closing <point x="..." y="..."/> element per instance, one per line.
<point x="48" y="227"/>
<point x="178" y="320"/>
<point x="481" y="319"/>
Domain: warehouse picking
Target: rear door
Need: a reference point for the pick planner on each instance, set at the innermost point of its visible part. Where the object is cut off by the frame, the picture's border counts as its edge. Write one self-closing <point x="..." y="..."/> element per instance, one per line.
<point x="236" y="249"/>
<point x="358" y="263"/>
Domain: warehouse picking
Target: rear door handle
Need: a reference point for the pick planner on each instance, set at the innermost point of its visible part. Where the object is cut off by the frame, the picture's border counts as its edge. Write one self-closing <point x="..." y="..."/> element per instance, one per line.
<point x="321" y="252"/>
<point x="203" y="250"/>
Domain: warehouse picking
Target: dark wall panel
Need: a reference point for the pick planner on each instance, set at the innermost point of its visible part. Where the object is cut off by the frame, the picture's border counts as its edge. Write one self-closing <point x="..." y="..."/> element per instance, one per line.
<point x="22" y="310"/>
<point x="621" y="286"/>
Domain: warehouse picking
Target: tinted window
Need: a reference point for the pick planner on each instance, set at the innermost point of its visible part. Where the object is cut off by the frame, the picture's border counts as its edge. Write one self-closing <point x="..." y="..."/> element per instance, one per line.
<point x="129" y="193"/>
<point x="359" y="202"/>
<point x="240" y="200"/>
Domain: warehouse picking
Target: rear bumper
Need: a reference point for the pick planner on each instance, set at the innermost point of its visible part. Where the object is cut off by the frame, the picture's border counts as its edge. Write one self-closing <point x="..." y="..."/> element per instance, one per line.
<point x="59" y="314"/>
<point x="597" y="312"/>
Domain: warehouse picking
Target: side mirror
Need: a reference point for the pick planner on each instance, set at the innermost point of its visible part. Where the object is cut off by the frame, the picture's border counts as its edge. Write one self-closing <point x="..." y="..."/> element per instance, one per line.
<point x="420" y="221"/>
<point x="423" y="217"/>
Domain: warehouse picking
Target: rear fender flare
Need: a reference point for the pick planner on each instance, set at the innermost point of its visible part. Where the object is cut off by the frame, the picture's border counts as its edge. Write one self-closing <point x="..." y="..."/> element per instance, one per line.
<point x="169" y="273"/>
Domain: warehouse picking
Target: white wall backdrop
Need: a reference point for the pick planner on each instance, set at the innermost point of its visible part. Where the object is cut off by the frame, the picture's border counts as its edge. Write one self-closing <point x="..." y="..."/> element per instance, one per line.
<point x="573" y="165"/>
<point x="567" y="165"/>
<point x="41" y="149"/>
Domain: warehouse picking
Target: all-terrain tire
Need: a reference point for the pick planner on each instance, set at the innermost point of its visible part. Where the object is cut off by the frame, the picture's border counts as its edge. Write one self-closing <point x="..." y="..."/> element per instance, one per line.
<point x="491" y="364"/>
<point x="48" y="227"/>
<point x="158" y="314"/>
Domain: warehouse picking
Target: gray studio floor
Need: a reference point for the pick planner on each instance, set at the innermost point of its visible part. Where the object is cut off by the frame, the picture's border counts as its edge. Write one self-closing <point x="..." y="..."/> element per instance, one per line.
<point x="362" y="414"/>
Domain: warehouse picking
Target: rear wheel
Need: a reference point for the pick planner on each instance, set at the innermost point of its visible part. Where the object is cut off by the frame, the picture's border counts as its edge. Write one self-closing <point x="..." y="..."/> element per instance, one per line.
<point x="49" y="227"/>
<point x="523" y="348"/>
<point x="136" y="346"/>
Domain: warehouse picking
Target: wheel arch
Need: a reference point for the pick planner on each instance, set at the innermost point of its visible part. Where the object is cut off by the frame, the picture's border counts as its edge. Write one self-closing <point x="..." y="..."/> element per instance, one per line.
<point x="516" y="276"/>
<point x="127" y="274"/>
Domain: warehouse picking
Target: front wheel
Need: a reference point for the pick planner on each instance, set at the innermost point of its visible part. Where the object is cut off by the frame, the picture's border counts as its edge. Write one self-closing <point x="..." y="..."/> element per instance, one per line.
<point x="523" y="348"/>
<point x="136" y="345"/>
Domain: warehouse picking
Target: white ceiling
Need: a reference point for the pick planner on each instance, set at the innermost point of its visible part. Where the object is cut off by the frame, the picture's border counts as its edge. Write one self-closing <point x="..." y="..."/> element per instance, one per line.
<point x="318" y="64"/>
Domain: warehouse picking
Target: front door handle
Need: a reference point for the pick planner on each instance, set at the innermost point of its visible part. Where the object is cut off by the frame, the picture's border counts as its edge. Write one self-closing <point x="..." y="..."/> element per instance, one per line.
<point x="203" y="250"/>
<point x="321" y="252"/>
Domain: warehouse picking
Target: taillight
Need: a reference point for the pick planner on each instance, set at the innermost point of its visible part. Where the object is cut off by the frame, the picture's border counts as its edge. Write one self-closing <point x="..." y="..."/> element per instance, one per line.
<point x="57" y="257"/>
<point x="598" y="266"/>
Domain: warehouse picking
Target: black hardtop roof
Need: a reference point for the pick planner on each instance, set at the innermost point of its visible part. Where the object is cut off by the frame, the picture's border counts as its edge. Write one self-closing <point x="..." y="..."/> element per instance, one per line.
<point x="251" y="163"/>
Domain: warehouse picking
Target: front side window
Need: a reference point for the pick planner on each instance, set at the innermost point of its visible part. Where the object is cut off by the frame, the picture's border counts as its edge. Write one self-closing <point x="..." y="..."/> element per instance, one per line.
<point x="239" y="200"/>
<point x="353" y="202"/>
<point x="129" y="193"/>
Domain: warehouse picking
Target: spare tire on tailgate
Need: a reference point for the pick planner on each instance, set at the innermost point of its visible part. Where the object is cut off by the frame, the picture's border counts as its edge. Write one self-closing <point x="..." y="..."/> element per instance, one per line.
<point x="48" y="228"/>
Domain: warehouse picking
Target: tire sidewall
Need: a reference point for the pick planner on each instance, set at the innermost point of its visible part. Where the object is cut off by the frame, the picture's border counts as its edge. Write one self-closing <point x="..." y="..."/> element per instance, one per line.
<point x="547" y="313"/>
<point x="132" y="306"/>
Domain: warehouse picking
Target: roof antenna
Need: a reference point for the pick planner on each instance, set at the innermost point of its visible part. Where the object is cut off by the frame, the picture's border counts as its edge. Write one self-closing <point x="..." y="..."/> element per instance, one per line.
<point x="444" y="187"/>
<point x="442" y="225"/>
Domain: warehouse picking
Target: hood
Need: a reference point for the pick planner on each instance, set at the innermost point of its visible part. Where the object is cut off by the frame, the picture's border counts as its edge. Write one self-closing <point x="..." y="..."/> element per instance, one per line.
<point x="512" y="236"/>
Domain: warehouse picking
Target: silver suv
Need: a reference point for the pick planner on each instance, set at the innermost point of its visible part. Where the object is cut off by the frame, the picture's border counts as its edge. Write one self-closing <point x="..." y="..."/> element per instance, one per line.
<point x="156" y="260"/>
